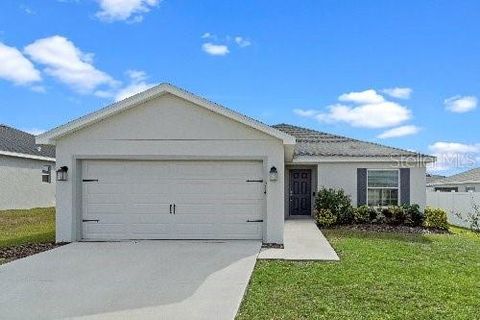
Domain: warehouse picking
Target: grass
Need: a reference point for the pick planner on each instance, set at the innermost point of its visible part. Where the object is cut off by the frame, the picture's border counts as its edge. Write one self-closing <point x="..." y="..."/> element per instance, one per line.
<point x="380" y="276"/>
<point x="27" y="226"/>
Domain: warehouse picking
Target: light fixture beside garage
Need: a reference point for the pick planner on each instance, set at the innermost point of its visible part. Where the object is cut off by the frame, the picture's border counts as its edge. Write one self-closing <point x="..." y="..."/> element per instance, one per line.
<point x="62" y="173"/>
<point x="273" y="174"/>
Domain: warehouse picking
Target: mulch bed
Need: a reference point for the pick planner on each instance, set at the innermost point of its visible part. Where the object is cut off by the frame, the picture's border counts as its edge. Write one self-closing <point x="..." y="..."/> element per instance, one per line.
<point x="24" y="250"/>
<point x="389" y="228"/>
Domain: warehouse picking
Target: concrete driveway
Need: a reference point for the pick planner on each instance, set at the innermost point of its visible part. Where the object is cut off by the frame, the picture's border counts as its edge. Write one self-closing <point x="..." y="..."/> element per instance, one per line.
<point x="129" y="280"/>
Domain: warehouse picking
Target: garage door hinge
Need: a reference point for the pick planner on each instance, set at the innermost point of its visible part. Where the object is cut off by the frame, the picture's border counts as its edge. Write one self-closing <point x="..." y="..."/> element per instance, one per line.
<point x="90" y="180"/>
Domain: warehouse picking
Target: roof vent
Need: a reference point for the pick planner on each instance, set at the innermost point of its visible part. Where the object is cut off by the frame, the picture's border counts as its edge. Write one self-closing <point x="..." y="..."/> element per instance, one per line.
<point x="39" y="148"/>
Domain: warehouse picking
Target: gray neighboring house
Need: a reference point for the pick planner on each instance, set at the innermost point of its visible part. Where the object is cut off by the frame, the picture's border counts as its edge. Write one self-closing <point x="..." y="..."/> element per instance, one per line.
<point x="167" y="164"/>
<point x="468" y="181"/>
<point x="26" y="171"/>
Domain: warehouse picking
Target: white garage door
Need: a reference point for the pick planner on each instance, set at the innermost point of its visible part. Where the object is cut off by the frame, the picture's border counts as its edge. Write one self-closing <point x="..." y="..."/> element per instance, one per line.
<point x="172" y="200"/>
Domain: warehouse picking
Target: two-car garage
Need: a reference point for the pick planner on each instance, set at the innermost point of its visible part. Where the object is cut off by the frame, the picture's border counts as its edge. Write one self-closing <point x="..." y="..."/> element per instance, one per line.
<point x="172" y="199"/>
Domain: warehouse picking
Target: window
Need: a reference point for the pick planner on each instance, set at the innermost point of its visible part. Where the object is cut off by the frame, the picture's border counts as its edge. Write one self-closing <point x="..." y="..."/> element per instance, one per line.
<point x="469" y="189"/>
<point x="446" y="189"/>
<point x="47" y="174"/>
<point x="383" y="187"/>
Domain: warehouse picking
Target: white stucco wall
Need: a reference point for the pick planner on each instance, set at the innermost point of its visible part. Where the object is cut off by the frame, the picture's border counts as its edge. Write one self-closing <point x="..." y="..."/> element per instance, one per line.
<point x="21" y="185"/>
<point x="167" y="128"/>
<point x="344" y="175"/>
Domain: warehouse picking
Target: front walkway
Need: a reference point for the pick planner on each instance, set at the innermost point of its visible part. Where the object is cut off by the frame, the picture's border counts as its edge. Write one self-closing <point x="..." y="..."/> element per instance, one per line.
<point x="302" y="241"/>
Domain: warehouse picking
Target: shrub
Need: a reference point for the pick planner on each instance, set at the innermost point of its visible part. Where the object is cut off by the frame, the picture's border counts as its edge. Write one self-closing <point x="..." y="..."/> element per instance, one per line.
<point x="394" y="215"/>
<point x="337" y="202"/>
<point x="325" y="217"/>
<point x="413" y="215"/>
<point x="362" y="214"/>
<point x="435" y="218"/>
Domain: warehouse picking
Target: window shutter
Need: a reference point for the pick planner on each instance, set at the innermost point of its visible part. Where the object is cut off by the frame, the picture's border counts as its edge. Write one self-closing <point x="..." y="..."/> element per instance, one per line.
<point x="405" y="185"/>
<point x="361" y="186"/>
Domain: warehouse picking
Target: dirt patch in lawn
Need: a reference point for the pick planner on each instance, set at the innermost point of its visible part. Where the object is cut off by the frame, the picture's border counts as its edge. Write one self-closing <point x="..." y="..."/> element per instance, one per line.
<point x="389" y="228"/>
<point x="8" y="254"/>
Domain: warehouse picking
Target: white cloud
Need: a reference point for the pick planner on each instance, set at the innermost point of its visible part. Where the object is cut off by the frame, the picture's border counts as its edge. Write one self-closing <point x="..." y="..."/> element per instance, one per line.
<point x="215" y="49"/>
<point x="461" y="104"/>
<point x="242" y="42"/>
<point x="16" y="68"/>
<point x="138" y="83"/>
<point x="208" y="35"/>
<point x="27" y="9"/>
<point x="399" y="93"/>
<point x="305" y="113"/>
<point x="454" y="147"/>
<point x="368" y="97"/>
<point x="367" y="109"/>
<point x="64" y="61"/>
<point x="34" y="131"/>
<point x="124" y="10"/>
<point x="454" y="155"/>
<point x="399" y="132"/>
<point x="379" y="115"/>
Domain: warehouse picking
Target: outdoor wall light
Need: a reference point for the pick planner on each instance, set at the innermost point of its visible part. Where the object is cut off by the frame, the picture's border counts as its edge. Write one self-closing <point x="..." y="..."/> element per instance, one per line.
<point x="273" y="174"/>
<point x="62" y="173"/>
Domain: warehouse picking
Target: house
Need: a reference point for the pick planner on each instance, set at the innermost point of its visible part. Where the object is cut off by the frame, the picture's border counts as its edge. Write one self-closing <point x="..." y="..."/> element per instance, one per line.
<point x="468" y="181"/>
<point x="167" y="164"/>
<point x="25" y="171"/>
<point x="431" y="178"/>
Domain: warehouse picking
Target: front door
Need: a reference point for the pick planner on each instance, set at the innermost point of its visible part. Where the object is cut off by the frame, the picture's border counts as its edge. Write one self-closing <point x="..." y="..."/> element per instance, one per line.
<point x="300" y="190"/>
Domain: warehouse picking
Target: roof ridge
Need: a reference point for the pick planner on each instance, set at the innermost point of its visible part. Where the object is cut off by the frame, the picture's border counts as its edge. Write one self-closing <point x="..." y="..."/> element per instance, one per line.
<point x="350" y="139"/>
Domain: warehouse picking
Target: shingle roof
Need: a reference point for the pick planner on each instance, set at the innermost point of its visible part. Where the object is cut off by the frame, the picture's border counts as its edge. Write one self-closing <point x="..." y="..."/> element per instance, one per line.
<point x="17" y="141"/>
<point x="433" y="178"/>
<point x="472" y="175"/>
<point x="315" y="143"/>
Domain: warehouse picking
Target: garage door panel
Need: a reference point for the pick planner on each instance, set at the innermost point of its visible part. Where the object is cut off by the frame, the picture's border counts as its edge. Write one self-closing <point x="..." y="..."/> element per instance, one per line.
<point x="132" y="199"/>
<point x="149" y="208"/>
<point x="105" y="198"/>
<point x="103" y="209"/>
<point x="101" y="187"/>
<point x="104" y="230"/>
<point x="150" y="228"/>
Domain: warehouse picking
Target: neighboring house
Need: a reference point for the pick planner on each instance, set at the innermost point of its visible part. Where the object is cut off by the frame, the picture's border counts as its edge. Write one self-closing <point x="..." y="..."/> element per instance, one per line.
<point x="468" y="181"/>
<point x="431" y="178"/>
<point x="26" y="171"/>
<point x="166" y="164"/>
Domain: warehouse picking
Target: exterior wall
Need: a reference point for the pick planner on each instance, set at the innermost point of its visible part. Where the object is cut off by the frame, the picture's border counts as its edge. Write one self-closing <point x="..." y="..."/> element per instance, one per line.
<point x="344" y="175"/>
<point x="21" y="185"/>
<point x="461" y="187"/>
<point x="167" y="128"/>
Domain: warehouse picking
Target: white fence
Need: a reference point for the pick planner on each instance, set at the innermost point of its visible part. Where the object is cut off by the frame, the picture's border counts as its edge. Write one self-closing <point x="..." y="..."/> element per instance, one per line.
<point x="452" y="202"/>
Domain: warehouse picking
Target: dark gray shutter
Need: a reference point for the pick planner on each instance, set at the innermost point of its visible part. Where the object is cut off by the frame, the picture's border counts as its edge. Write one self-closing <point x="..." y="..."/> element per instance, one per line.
<point x="405" y="185"/>
<point x="361" y="186"/>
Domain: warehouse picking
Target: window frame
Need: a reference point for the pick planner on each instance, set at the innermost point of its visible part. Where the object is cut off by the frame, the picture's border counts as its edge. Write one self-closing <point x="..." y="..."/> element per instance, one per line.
<point x="398" y="188"/>
<point x="47" y="173"/>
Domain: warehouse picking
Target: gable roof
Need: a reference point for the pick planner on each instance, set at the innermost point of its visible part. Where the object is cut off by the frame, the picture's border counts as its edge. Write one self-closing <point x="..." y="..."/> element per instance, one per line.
<point x="17" y="143"/>
<point x="430" y="178"/>
<point x="470" y="176"/>
<point x="316" y="143"/>
<point x="49" y="137"/>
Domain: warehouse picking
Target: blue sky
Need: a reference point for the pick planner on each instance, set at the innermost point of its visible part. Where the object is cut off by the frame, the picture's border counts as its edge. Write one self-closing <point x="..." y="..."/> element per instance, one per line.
<point x="404" y="73"/>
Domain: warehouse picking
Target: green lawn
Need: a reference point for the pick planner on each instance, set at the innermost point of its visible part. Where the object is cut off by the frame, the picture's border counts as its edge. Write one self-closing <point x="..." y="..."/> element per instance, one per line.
<point x="27" y="226"/>
<point x="380" y="276"/>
